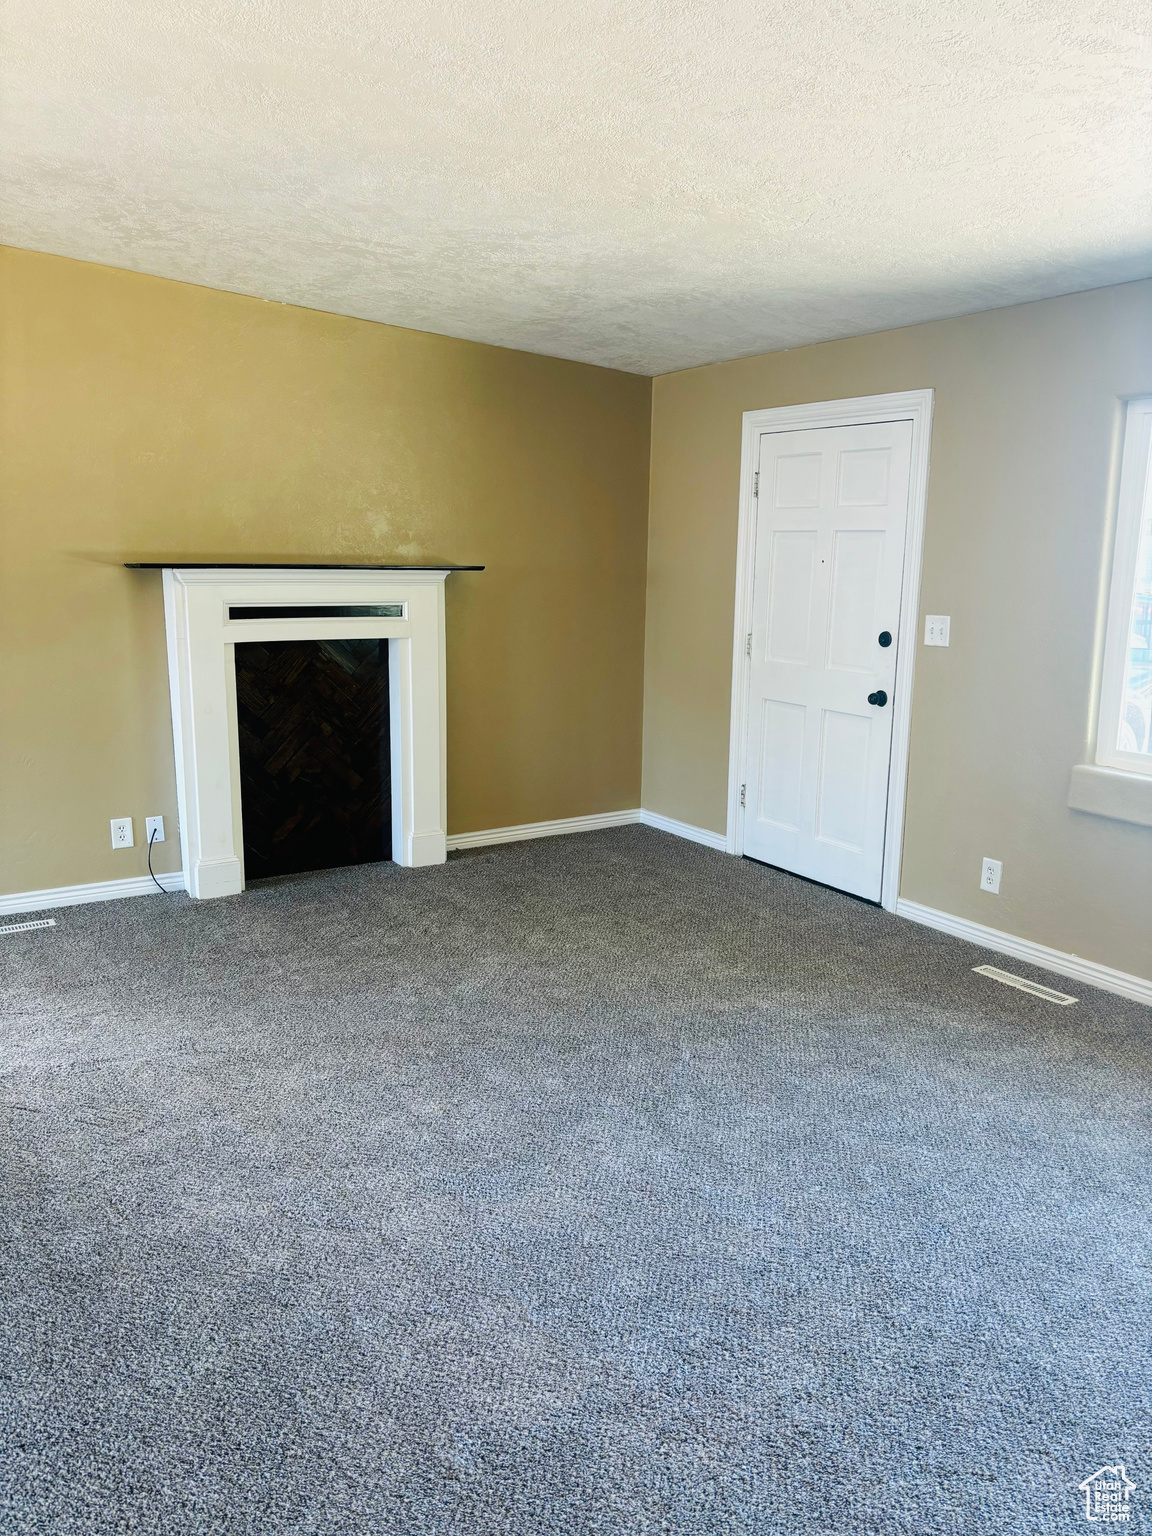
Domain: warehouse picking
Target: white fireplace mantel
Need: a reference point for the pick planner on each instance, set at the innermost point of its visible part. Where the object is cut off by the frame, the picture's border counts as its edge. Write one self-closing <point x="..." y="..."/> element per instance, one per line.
<point x="202" y="639"/>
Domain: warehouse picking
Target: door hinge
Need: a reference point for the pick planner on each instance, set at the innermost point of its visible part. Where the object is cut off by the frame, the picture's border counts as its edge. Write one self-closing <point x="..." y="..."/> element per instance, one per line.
<point x="748" y="646"/>
<point x="756" y="483"/>
<point x="743" y="792"/>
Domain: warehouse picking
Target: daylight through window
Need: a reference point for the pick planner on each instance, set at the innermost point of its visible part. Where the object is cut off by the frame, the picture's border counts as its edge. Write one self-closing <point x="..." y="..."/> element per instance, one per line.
<point x="1125" y="732"/>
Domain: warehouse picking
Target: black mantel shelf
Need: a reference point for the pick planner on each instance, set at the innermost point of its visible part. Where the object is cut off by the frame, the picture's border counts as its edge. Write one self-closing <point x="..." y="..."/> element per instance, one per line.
<point x="278" y="565"/>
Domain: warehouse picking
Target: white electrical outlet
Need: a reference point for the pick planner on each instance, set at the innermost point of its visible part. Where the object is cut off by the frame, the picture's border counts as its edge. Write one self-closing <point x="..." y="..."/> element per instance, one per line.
<point x="122" y="832"/>
<point x="990" y="876"/>
<point x="154" y="829"/>
<point x="936" y="628"/>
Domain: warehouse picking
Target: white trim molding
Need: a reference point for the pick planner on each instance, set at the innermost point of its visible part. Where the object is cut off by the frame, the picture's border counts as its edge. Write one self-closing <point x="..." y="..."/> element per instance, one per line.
<point x="1131" y="510"/>
<point x="202" y="640"/>
<point x="596" y="823"/>
<point x="911" y="405"/>
<point x="532" y="829"/>
<point x="684" y="829"/>
<point x="142" y="885"/>
<point x="98" y="890"/>
<point x="1111" y="792"/>
<point x="1088" y="971"/>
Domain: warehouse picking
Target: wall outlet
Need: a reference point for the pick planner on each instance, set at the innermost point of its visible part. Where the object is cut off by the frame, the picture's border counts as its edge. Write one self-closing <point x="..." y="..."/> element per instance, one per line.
<point x="122" y="832"/>
<point x="153" y="829"/>
<point x="936" y="628"/>
<point x="990" y="876"/>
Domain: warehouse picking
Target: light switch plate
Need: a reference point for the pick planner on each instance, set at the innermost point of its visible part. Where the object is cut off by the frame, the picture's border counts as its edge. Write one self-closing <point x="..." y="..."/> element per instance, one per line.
<point x="936" y="629"/>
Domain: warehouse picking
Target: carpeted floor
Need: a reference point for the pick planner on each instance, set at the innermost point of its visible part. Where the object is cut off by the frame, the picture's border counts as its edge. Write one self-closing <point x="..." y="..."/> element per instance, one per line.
<point x="598" y="1185"/>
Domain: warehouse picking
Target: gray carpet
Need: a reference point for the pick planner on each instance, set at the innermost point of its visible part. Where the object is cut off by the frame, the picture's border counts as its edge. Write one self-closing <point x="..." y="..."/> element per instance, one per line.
<point x="598" y="1185"/>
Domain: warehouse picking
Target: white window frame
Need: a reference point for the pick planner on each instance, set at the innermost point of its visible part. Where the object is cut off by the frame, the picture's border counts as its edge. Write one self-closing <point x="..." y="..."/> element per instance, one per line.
<point x="1135" y="473"/>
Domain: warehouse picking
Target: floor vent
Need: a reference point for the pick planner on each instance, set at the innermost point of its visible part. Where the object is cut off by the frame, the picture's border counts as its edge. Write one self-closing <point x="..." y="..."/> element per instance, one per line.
<point x="1022" y="984"/>
<point x="43" y="922"/>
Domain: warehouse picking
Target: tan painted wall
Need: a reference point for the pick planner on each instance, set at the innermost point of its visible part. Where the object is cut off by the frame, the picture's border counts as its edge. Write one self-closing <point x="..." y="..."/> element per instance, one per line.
<point x="1024" y="450"/>
<point x="141" y="418"/>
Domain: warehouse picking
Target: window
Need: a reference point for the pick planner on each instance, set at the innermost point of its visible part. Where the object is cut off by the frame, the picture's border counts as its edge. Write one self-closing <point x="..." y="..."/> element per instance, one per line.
<point x="1125" y="734"/>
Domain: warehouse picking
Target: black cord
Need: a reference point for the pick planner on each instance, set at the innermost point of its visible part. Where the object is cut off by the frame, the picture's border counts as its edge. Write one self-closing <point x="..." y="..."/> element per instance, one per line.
<point x="155" y="882"/>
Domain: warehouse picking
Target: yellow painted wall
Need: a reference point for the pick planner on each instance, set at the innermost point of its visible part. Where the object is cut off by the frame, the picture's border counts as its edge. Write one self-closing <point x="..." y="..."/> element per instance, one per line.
<point x="1020" y="503"/>
<point x="141" y="418"/>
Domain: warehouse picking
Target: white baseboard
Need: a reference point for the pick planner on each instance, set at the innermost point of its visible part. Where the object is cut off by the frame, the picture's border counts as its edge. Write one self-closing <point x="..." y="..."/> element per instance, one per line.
<point x="141" y="885"/>
<point x="530" y="829"/>
<point x="1087" y="971"/>
<point x="99" y="890"/>
<point x="717" y="840"/>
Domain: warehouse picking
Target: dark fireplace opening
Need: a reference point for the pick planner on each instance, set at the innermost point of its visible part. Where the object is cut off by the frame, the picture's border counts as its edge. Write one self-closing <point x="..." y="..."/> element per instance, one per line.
<point x="315" y="758"/>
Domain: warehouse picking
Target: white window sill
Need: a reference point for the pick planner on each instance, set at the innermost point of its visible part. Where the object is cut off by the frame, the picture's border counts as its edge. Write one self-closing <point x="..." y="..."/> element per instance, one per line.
<point x="1111" y="792"/>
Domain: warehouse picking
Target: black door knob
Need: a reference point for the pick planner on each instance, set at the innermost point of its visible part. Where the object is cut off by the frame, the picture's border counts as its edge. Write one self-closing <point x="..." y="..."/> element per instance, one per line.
<point x="885" y="638"/>
<point x="879" y="698"/>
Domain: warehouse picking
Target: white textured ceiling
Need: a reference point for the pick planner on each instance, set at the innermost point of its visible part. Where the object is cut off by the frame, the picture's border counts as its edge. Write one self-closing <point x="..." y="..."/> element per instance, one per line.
<point x="641" y="183"/>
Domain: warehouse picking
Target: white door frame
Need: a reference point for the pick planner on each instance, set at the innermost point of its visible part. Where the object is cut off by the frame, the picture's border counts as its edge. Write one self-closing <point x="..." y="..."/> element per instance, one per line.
<point x="915" y="406"/>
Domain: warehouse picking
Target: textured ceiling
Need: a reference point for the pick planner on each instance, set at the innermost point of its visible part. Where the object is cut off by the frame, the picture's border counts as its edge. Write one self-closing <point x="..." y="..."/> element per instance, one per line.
<point x="640" y="183"/>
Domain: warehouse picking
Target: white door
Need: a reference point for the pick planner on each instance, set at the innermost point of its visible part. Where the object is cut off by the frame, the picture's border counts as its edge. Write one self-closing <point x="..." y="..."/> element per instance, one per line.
<point x="831" y="508"/>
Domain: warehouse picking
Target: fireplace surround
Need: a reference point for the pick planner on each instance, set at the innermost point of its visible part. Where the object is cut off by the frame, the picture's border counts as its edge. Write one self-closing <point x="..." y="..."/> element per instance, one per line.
<point x="208" y="610"/>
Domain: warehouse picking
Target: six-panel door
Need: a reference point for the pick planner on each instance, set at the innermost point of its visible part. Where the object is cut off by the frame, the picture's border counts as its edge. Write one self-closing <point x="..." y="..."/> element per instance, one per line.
<point x="831" y="515"/>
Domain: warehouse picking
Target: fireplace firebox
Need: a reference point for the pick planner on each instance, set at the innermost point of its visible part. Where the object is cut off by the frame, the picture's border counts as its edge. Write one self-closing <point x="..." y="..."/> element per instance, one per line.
<point x="313" y="723"/>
